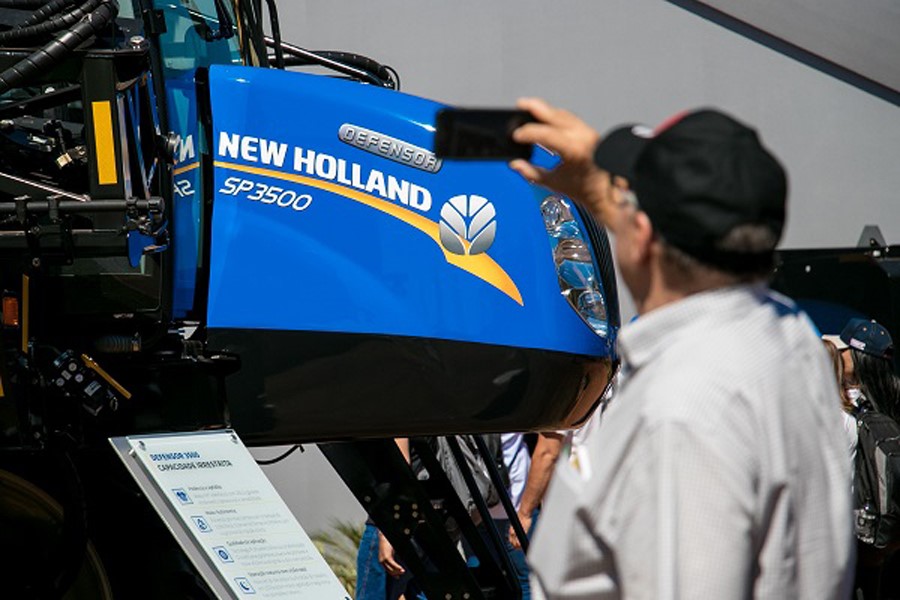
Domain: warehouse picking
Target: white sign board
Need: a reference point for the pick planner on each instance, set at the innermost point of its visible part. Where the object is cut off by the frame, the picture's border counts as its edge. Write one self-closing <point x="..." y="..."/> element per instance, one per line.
<point x="234" y="519"/>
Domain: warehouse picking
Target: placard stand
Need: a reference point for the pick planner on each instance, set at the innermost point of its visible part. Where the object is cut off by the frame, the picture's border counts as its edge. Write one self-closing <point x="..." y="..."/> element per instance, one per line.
<point x="227" y="516"/>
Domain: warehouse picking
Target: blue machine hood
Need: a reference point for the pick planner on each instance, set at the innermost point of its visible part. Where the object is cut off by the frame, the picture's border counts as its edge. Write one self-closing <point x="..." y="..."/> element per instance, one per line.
<point x="372" y="290"/>
<point x="327" y="217"/>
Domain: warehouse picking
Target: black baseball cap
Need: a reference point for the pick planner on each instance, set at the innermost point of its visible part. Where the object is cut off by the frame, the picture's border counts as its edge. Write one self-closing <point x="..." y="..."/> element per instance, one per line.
<point x="698" y="176"/>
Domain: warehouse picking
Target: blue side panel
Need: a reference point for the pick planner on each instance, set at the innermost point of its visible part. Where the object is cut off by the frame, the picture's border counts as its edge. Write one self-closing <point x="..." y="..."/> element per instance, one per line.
<point x="186" y="191"/>
<point x="315" y="229"/>
<point x="183" y="50"/>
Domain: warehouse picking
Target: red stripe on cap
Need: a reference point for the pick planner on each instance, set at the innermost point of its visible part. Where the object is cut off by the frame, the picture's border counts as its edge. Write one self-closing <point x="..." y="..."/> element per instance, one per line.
<point x="670" y="121"/>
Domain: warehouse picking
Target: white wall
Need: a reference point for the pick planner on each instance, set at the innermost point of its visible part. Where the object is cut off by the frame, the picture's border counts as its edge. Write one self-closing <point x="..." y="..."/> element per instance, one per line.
<point x="614" y="61"/>
<point x="309" y="485"/>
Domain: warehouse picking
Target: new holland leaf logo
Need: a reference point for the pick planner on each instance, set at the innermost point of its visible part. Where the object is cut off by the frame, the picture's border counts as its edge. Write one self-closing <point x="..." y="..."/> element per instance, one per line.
<point x="468" y="224"/>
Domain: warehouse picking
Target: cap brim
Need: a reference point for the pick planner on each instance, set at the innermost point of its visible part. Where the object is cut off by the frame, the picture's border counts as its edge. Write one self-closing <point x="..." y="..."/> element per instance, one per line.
<point x="836" y="340"/>
<point x="619" y="150"/>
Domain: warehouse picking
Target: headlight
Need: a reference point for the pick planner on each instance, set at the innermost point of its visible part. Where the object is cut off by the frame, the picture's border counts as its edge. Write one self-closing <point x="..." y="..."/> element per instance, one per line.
<point x="592" y="306"/>
<point x="558" y="218"/>
<point x="574" y="263"/>
<point x="576" y="267"/>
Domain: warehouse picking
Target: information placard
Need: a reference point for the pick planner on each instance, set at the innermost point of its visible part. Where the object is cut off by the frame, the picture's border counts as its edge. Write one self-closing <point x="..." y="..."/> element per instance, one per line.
<point x="233" y="524"/>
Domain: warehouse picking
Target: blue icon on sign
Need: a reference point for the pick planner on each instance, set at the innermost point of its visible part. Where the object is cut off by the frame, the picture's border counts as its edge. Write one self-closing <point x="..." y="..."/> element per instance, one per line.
<point x="202" y="524"/>
<point x="223" y="554"/>
<point x="182" y="496"/>
<point x="244" y="585"/>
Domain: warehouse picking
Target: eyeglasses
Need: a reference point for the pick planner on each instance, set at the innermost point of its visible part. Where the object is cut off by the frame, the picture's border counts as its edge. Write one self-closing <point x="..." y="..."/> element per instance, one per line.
<point x="626" y="197"/>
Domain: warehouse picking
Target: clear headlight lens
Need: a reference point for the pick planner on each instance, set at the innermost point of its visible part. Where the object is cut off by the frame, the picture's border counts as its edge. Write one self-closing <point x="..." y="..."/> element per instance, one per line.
<point x="574" y="263"/>
<point x="579" y="279"/>
<point x="592" y="306"/>
<point x="558" y="218"/>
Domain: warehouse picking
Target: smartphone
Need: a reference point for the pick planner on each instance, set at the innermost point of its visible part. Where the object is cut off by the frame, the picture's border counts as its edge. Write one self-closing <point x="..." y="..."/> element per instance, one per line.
<point x="480" y="134"/>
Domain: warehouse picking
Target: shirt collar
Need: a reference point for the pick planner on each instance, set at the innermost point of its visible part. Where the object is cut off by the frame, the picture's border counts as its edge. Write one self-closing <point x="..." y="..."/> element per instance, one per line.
<point x="646" y="337"/>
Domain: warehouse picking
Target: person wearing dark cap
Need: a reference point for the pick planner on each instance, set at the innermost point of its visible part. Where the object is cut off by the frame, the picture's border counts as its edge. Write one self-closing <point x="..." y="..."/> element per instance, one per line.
<point x="867" y="351"/>
<point x="720" y="469"/>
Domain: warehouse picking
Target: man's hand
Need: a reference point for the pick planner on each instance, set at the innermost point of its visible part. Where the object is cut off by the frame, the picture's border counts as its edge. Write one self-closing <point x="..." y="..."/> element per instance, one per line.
<point x="525" y="520"/>
<point x="574" y="141"/>
<point x="386" y="557"/>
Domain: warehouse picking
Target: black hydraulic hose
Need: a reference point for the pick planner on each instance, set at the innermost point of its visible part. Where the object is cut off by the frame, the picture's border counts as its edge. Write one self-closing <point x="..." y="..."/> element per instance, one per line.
<point x="276" y="34"/>
<point x="281" y="457"/>
<point x="314" y="58"/>
<point x="46" y="11"/>
<point x="363" y="62"/>
<point x="394" y="77"/>
<point x="52" y="24"/>
<point x="22" y="4"/>
<point x="118" y="344"/>
<point x="383" y="72"/>
<point x="64" y="44"/>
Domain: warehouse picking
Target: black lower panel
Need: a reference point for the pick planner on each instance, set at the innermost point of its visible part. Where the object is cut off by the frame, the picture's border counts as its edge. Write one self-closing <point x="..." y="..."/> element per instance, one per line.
<point x="313" y="386"/>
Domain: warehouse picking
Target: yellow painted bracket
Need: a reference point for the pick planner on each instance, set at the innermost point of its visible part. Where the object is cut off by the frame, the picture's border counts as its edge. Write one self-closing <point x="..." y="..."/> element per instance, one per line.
<point x="104" y="143"/>
<point x="99" y="370"/>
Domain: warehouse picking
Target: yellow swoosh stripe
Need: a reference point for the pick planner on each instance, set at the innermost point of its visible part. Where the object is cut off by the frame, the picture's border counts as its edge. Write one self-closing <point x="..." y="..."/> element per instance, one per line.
<point x="186" y="168"/>
<point x="480" y="265"/>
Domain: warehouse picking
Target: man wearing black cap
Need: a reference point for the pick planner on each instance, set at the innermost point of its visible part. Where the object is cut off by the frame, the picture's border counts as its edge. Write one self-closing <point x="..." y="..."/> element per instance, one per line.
<point x="719" y="471"/>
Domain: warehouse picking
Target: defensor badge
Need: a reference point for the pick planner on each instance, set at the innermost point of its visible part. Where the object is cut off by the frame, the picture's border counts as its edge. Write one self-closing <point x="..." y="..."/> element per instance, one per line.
<point x="389" y="147"/>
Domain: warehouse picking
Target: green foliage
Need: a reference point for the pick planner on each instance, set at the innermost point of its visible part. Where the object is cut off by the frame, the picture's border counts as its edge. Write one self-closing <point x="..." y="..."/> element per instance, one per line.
<point x="339" y="545"/>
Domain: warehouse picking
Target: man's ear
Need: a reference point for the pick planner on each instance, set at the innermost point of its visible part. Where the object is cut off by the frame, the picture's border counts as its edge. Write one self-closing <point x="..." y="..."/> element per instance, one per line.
<point x="644" y="235"/>
<point x="619" y="181"/>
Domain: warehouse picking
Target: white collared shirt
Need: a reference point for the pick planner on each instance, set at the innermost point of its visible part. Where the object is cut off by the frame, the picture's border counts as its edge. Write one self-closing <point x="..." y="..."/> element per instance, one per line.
<point x="719" y="471"/>
<point x="517" y="461"/>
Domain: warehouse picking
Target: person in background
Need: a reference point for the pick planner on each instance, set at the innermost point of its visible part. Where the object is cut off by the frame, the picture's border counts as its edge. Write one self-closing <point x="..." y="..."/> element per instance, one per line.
<point x="371" y="579"/>
<point x="380" y="574"/>
<point x="517" y="459"/>
<point x="720" y="470"/>
<point x="866" y="349"/>
<point x="848" y="394"/>
<point x="543" y="460"/>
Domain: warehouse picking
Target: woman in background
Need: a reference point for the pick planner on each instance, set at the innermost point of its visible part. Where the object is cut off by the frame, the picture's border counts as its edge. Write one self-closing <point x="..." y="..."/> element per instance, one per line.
<point x="849" y="396"/>
<point x="869" y="382"/>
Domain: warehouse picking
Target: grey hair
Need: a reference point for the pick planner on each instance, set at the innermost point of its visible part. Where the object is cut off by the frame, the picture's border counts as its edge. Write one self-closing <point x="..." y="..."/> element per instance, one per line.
<point x="748" y="238"/>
